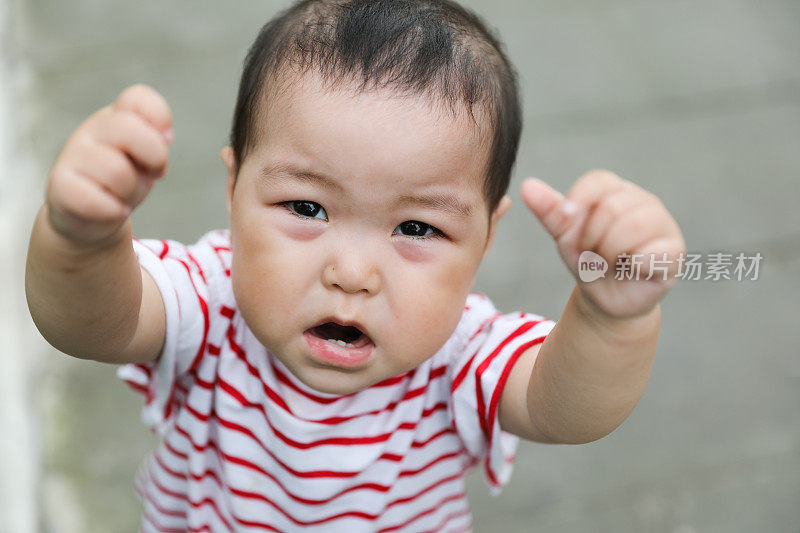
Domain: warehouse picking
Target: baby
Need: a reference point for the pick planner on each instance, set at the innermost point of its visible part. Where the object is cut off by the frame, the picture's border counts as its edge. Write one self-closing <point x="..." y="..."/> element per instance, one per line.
<point x="323" y="363"/>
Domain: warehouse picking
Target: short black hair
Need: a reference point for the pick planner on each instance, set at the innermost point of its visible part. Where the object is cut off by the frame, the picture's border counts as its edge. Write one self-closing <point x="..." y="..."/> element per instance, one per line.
<point x="434" y="48"/>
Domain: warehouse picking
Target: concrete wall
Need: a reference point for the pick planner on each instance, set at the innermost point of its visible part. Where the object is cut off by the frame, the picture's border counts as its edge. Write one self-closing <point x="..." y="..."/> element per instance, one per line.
<point x="697" y="101"/>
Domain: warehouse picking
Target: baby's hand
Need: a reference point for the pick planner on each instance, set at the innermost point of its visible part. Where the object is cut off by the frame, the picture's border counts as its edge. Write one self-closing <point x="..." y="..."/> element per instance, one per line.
<point x="610" y="216"/>
<point x="108" y="166"/>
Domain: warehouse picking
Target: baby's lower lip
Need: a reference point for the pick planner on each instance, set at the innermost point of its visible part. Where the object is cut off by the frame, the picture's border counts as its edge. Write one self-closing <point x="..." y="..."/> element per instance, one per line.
<point x="332" y="353"/>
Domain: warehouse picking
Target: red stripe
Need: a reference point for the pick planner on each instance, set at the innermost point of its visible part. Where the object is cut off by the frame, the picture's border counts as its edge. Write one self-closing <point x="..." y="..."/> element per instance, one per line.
<point x="464" y="369"/>
<point x="259" y="525"/>
<point x="159" y="527"/>
<point x="184" y="497"/>
<point x="136" y="386"/>
<point x="488" y="322"/>
<point x="177" y="513"/>
<point x="437" y="460"/>
<point x="217" y="249"/>
<point x="460" y="495"/>
<point x="175" y="473"/>
<point x="279" y="401"/>
<point x="202" y="383"/>
<point x="442" y="481"/>
<point x="201" y="350"/>
<point x="204" y="308"/>
<point x="144" y="368"/>
<point x="175" y="451"/>
<point x="184" y="477"/>
<point x="324" y="400"/>
<point x="357" y="514"/>
<point x="227" y="387"/>
<point x="252" y="466"/>
<point x="296" y="444"/>
<point x="306" y="474"/>
<point x="199" y="268"/>
<point x="420" y="444"/>
<point x="164" y="249"/>
<point x="448" y="518"/>
<point x="297" y="473"/>
<point x="486" y="362"/>
<point x="142" y="388"/>
<point x="464" y="529"/>
<point x="495" y="400"/>
<point x="330" y="441"/>
<point x="501" y="382"/>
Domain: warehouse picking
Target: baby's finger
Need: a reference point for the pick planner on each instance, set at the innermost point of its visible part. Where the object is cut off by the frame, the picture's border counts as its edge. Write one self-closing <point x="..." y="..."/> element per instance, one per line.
<point x="660" y="257"/>
<point x="592" y="186"/>
<point x="76" y="200"/>
<point x="630" y="231"/>
<point x="547" y="204"/>
<point x="113" y="171"/>
<point x="611" y="207"/>
<point x="130" y="133"/>
<point x="148" y="104"/>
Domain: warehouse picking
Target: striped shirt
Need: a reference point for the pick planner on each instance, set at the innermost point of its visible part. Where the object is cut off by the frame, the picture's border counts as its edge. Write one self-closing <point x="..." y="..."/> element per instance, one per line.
<point x="246" y="446"/>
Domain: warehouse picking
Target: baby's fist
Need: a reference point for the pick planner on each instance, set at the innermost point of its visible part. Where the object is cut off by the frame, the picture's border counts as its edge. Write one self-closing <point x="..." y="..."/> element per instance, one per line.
<point x="610" y="216"/>
<point x="108" y="165"/>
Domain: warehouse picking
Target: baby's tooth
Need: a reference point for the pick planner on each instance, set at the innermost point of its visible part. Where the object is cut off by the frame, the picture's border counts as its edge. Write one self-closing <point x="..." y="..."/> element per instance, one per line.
<point x="342" y="343"/>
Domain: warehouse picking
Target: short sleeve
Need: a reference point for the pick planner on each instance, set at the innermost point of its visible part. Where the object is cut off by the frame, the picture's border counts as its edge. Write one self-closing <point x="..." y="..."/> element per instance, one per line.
<point x="182" y="275"/>
<point x="490" y="344"/>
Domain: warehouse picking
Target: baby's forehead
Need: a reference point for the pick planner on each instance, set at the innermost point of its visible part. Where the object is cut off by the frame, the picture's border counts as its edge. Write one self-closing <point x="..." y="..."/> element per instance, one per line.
<point x="410" y="142"/>
<point x="426" y="134"/>
<point x="282" y="89"/>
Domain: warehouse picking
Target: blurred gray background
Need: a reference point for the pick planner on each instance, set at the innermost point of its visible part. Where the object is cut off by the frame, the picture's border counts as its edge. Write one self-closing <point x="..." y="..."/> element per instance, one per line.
<point x="697" y="101"/>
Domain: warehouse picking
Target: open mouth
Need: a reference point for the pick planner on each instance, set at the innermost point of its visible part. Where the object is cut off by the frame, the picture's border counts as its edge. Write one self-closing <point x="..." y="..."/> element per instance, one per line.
<point x="345" y="336"/>
<point x="339" y="344"/>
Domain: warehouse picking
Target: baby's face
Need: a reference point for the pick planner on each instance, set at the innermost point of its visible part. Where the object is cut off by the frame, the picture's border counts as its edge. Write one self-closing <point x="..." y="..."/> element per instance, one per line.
<point x="357" y="219"/>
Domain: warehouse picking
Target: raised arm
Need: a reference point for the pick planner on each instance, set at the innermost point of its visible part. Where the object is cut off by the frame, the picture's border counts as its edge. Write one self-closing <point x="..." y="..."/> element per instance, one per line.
<point x="584" y="380"/>
<point x="86" y="293"/>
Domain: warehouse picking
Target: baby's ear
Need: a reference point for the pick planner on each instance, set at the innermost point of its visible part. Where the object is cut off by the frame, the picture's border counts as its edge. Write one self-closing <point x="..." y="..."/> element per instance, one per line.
<point x="499" y="211"/>
<point x="229" y="161"/>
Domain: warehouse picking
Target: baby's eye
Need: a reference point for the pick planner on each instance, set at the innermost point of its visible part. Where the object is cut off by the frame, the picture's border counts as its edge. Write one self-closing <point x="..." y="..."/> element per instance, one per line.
<point x="306" y="209"/>
<point x="413" y="228"/>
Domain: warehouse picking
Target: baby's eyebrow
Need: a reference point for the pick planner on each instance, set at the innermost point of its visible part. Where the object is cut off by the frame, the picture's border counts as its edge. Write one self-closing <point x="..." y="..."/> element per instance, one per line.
<point x="443" y="202"/>
<point x="282" y="171"/>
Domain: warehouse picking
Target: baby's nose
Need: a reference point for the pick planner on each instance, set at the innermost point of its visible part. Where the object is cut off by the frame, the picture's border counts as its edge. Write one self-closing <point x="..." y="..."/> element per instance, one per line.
<point x="353" y="270"/>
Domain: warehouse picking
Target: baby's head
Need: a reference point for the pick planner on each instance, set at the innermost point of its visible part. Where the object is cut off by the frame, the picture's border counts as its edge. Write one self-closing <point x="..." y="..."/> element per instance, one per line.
<point x="371" y="149"/>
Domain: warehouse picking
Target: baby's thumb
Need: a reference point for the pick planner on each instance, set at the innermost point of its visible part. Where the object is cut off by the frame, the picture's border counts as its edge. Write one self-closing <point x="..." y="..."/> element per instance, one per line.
<point x="549" y="206"/>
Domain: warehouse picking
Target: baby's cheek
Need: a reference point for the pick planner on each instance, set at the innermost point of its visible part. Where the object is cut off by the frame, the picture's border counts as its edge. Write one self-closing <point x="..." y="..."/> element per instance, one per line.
<point x="433" y="314"/>
<point x="300" y="230"/>
<point x="418" y="252"/>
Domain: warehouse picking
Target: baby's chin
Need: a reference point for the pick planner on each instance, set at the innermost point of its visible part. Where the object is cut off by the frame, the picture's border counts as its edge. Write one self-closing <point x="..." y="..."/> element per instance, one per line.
<point x="332" y="380"/>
